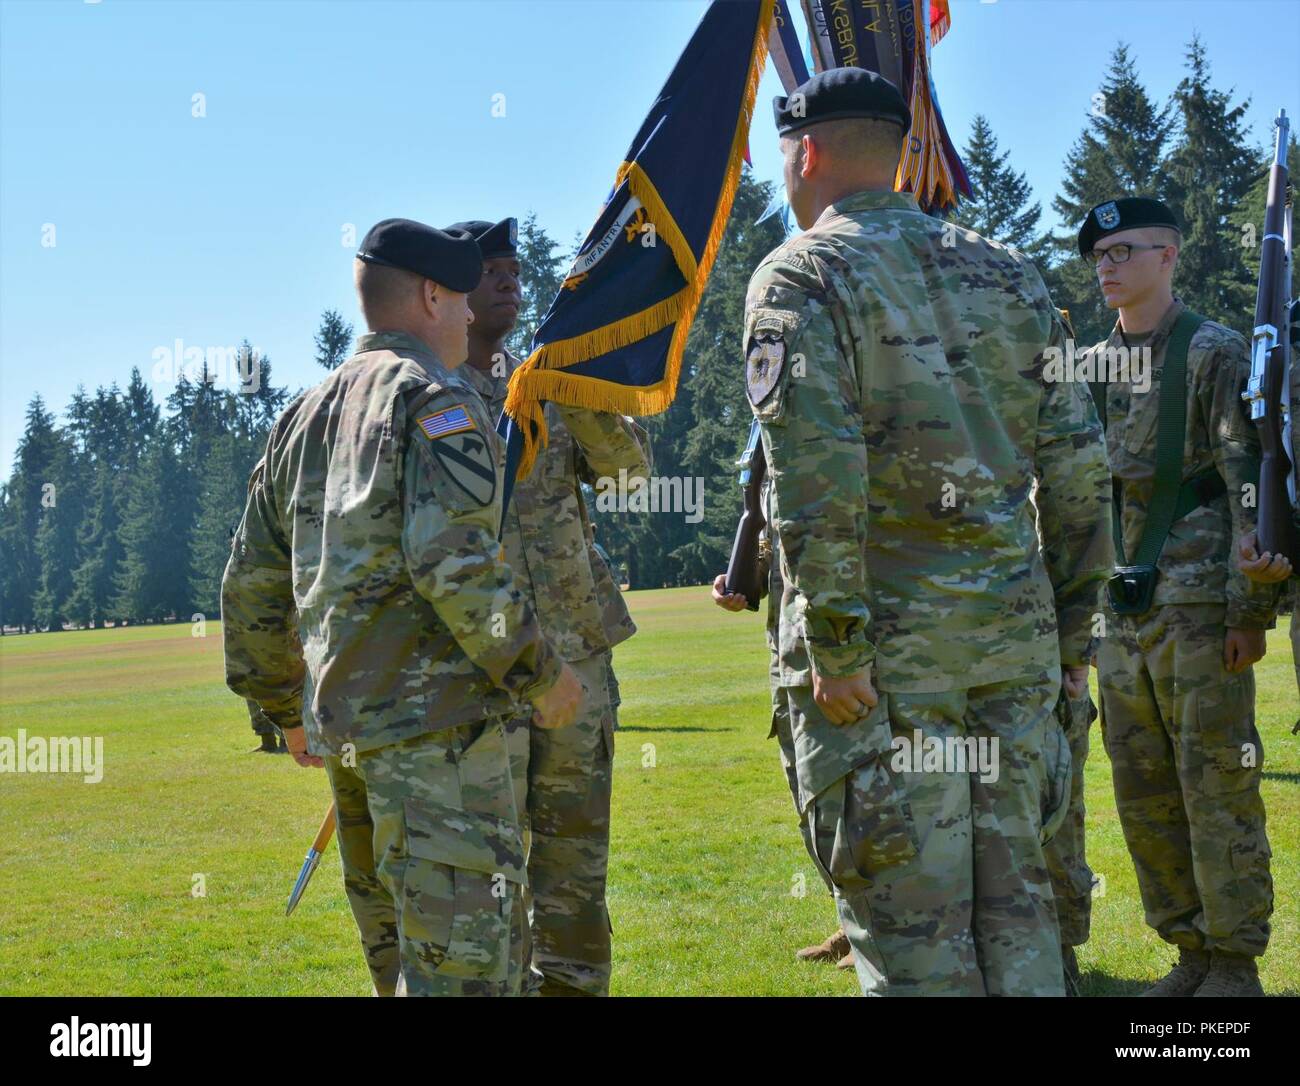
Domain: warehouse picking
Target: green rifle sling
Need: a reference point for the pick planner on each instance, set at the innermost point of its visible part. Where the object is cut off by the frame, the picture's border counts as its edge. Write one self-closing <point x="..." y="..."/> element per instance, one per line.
<point x="1171" y="498"/>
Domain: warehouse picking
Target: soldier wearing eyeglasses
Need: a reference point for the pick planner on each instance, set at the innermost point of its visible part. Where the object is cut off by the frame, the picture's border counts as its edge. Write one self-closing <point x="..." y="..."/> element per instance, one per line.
<point x="1183" y="624"/>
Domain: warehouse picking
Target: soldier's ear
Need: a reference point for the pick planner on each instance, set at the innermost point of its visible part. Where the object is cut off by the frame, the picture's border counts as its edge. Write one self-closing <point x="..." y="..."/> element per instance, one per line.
<point x="811" y="155"/>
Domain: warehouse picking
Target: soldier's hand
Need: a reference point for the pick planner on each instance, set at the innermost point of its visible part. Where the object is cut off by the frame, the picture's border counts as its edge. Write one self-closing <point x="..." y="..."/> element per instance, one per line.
<point x="558" y="707"/>
<point x="842" y="701"/>
<point x="296" y="740"/>
<point x="1265" y="568"/>
<point x="1075" y="681"/>
<point x="734" y="601"/>
<point x="1241" y="648"/>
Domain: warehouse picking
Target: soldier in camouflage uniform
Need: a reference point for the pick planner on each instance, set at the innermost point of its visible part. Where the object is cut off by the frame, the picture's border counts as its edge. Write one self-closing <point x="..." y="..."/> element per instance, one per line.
<point x="266" y="731"/>
<point x="896" y="366"/>
<point x="1065" y="853"/>
<point x="1177" y="689"/>
<point x="365" y="598"/>
<point x="562" y="779"/>
<point x="835" y="947"/>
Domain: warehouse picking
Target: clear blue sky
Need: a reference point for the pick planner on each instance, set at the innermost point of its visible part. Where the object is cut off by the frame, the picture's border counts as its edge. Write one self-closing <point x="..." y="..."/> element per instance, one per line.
<point x="213" y="229"/>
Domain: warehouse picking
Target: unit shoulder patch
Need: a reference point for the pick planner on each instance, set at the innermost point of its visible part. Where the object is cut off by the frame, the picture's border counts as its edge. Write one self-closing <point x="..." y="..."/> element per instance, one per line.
<point x="468" y="460"/>
<point x="764" y="362"/>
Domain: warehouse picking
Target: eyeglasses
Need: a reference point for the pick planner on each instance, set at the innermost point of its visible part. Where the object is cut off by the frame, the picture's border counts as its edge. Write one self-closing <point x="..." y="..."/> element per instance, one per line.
<point x="1118" y="254"/>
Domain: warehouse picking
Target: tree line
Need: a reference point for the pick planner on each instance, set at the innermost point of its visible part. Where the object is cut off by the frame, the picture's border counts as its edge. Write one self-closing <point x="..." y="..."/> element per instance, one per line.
<point x="123" y="511"/>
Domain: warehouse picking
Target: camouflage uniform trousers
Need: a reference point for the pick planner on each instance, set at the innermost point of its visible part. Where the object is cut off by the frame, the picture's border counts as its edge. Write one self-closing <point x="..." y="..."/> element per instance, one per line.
<point x="942" y="885"/>
<point x="1178" y="728"/>
<point x="1067" y="861"/>
<point x="433" y="861"/>
<point x="260" y="723"/>
<point x="785" y="741"/>
<point x="563" y="780"/>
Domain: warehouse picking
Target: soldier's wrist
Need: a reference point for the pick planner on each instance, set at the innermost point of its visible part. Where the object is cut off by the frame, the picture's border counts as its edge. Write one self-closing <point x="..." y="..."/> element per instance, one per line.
<point x="840" y="661"/>
<point x="545" y="676"/>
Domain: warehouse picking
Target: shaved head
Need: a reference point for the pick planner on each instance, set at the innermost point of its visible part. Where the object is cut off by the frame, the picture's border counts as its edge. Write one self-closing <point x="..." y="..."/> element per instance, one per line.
<point x="827" y="161"/>
<point x="854" y="141"/>
<point x="387" y="295"/>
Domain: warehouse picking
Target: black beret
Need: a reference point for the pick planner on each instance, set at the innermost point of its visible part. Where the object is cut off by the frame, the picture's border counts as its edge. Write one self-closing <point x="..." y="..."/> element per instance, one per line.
<point x="840" y="92"/>
<point x="494" y="238"/>
<point x="449" y="257"/>
<point x="1127" y="213"/>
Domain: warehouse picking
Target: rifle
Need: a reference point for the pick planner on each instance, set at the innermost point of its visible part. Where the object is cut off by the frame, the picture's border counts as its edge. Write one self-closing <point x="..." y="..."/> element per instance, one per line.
<point x="742" y="568"/>
<point x="1268" y="391"/>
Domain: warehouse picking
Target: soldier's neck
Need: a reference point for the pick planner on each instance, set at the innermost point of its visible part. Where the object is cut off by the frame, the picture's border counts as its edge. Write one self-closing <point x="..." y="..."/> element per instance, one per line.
<point x="834" y="190"/>
<point x="484" y="353"/>
<point x="1144" y="314"/>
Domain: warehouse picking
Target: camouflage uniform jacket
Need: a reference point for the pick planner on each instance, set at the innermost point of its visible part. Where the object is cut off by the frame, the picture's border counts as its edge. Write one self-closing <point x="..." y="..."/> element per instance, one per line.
<point x="364" y="595"/>
<point x="1198" y="563"/>
<point x="548" y="536"/>
<point x="896" y="365"/>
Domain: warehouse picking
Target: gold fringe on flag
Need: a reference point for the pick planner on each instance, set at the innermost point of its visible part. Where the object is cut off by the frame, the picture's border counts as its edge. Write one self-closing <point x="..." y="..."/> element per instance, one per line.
<point x="542" y="378"/>
<point x="922" y="168"/>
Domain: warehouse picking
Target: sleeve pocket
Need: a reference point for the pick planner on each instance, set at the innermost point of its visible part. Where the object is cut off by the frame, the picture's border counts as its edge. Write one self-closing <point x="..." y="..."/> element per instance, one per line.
<point x="482" y="858"/>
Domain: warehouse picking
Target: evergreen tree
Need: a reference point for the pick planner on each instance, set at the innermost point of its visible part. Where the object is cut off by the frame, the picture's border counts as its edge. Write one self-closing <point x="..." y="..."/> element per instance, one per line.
<point x="1000" y="208"/>
<point x="333" y="340"/>
<point x="28" y="497"/>
<point x="1120" y="153"/>
<point x="223" y="487"/>
<point x="8" y="584"/>
<point x="142" y="419"/>
<point x="1209" y="173"/>
<point x="541" y="271"/>
<point x="152" y="583"/>
<point x="94" y="592"/>
<point x="57" y="550"/>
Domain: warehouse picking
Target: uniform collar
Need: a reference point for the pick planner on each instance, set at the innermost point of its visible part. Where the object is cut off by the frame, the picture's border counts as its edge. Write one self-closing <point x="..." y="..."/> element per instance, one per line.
<point x="483" y="383"/>
<point x="873" y="201"/>
<point x="1159" y="333"/>
<point x="395" y="341"/>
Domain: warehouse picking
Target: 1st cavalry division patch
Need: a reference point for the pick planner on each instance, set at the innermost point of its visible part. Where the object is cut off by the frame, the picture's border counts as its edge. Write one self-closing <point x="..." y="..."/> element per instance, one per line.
<point x="462" y="452"/>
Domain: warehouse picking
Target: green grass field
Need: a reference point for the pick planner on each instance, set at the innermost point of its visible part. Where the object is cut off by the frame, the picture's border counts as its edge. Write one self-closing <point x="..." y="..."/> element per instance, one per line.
<point x="96" y="880"/>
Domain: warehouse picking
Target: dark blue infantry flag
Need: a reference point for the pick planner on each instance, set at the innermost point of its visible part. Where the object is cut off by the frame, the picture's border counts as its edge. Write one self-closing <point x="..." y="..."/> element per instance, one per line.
<point x="614" y="335"/>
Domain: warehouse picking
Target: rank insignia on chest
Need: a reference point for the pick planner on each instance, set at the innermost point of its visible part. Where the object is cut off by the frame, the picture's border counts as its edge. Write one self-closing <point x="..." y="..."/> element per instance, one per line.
<point x="445" y="423"/>
<point x="763" y="365"/>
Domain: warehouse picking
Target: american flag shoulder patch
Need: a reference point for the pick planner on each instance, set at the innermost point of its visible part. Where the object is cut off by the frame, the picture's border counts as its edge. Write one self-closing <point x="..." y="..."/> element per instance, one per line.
<point x="452" y="420"/>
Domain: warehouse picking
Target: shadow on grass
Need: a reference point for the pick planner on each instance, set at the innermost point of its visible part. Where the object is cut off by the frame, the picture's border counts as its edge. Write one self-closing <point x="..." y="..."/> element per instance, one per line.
<point x="643" y="728"/>
<point x="1096" y="983"/>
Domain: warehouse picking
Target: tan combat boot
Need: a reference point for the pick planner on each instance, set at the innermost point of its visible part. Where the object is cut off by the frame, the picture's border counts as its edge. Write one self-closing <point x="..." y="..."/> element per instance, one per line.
<point x="845" y="962"/>
<point x="832" y="950"/>
<point x="1231" y="975"/>
<point x="1185" y="977"/>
